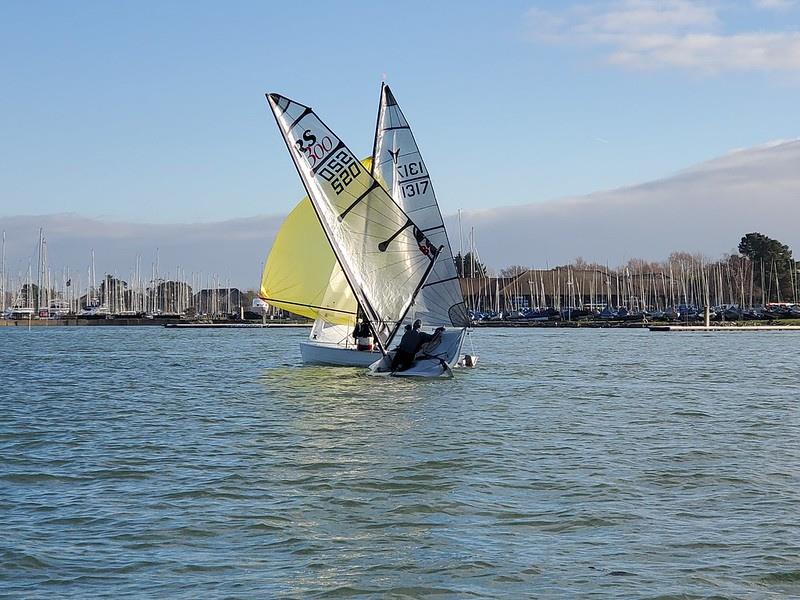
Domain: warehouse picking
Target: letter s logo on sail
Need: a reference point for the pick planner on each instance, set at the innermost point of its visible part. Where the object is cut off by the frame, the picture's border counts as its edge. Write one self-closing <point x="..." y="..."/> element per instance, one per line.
<point x="309" y="137"/>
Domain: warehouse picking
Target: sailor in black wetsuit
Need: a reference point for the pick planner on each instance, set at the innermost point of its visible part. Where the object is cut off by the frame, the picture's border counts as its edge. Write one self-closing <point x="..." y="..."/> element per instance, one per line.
<point x="412" y="339"/>
<point x="363" y="335"/>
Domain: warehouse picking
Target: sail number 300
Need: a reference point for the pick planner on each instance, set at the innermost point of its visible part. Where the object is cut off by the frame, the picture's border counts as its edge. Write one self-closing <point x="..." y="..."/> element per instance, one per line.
<point x="313" y="150"/>
<point x="340" y="171"/>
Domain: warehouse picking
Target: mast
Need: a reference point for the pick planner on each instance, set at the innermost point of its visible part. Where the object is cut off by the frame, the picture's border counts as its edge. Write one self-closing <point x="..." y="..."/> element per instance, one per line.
<point x="3" y="276"/>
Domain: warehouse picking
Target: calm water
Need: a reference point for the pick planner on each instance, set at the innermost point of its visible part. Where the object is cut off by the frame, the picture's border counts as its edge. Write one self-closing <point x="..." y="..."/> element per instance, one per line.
<point x="144" y="462"/>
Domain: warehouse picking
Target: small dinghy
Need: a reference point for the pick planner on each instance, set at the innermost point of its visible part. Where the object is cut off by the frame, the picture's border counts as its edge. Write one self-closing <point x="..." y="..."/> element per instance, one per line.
<point x="436" y="358"/>
<point x="393" y="261"/>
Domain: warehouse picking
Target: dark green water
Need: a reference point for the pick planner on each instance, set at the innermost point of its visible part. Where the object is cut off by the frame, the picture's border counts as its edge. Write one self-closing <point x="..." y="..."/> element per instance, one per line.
<point x="153" y="463"/>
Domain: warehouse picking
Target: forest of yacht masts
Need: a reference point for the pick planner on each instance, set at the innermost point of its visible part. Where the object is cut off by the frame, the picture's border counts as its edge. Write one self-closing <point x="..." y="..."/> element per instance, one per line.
<point x="682" y="280"/>
<point x="68" y="291"/>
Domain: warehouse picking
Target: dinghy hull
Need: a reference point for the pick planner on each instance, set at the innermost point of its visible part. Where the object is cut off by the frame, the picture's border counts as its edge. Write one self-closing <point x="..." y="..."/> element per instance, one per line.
<point x="432" y="362"/>
<point x="335" y="355"/>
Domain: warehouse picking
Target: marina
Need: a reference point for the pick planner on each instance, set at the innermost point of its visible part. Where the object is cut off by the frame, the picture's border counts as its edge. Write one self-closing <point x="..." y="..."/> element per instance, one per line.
<point x="724" y="328"/>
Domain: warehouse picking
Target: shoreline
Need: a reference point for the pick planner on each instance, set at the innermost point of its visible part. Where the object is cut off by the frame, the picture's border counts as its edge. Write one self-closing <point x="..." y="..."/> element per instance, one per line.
<point x="176" y="323"/>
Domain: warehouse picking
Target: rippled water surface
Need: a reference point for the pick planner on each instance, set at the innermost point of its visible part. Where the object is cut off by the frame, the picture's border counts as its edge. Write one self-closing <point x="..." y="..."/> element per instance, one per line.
<point x="146" y="462"/>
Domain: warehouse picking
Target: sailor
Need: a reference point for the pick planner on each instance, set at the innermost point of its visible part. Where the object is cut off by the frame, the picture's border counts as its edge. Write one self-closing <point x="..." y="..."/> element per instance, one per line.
<point x="363" y="335"/>
<point x="410" y="343"/>
<point x="423" y="337"/>
<point x="432" y="342"/>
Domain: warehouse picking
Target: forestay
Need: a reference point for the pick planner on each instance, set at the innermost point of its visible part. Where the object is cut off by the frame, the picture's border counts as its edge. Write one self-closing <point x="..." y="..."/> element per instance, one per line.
<point x="385" y="257"/>
<point x="398" y="166"/>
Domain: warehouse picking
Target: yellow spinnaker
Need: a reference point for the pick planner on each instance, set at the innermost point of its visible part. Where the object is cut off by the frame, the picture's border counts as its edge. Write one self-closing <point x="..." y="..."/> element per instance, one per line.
<point x="302" y="275"/>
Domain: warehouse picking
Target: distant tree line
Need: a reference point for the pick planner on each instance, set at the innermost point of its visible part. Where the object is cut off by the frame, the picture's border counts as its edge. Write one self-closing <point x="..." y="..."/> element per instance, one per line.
<point x="764" y="267"/>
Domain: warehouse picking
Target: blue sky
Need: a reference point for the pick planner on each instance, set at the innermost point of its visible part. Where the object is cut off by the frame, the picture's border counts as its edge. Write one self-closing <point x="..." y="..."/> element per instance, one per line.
<point x="154" y="112"/>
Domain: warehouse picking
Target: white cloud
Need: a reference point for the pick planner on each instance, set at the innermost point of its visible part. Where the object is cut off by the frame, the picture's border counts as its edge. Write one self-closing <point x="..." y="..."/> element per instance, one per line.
<point x="774" y="4"/>
<point x="706" y="208"/>
<point x="685" y="34"/>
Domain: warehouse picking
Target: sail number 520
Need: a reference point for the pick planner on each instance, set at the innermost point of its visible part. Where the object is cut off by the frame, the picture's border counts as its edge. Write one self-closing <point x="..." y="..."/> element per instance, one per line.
<point x="340" y="171"/>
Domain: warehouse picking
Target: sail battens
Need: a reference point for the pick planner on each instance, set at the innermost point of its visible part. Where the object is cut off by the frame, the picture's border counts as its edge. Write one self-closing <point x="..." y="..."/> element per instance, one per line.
<point x="306" y="112"/>
<point x="396" y="127"/>
<point x="412" y="179"/>
<point x="432" y="283"/>
<point x="357" y="200"/>
<point x="280" y="102"/>
<point x="300" y="304"/>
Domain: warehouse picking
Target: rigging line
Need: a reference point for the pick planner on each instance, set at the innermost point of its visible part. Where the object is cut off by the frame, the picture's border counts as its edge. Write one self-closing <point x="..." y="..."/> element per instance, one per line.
<point x="375" y="137"/>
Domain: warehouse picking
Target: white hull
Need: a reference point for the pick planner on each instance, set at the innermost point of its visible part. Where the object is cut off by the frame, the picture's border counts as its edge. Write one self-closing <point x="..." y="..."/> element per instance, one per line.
<point x="422" y="368"/>
<point x="334" y="355"/>
<point x="439" y="363"/>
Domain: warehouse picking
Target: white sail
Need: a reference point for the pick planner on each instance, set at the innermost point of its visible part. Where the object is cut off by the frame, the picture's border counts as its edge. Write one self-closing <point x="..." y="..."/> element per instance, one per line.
<point x="385" y="257"/>
<point x="398" y="166"/>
